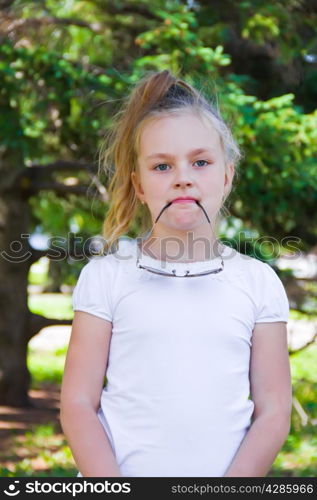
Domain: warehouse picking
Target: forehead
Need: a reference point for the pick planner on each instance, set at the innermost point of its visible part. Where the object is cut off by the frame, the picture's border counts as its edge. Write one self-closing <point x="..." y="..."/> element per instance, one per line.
<point x="177" y="133"/>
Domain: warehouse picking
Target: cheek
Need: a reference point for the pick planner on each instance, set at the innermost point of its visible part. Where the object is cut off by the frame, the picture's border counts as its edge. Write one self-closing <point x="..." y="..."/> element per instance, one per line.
<point x="154" y="191"/>
<point x="213" y="184"/>
<point x="155" y="187"/>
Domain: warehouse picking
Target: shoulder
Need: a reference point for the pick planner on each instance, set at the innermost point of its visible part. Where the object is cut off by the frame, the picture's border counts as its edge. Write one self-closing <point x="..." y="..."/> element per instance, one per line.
<point x="264" y="286"/>
<point x="97" y="274"/>
<point x="111" y="265"/>
<point x="263" y="273"/>
<point x="251" y="267"/>
<point x="237" y="264"/>
<point x="93" y="290"/>
<point x="257" y="276"/>
<point x="99" y="263"/>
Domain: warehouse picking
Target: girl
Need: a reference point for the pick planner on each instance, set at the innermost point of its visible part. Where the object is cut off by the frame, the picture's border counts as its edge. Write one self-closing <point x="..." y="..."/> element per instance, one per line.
<point x="190" y="333"/>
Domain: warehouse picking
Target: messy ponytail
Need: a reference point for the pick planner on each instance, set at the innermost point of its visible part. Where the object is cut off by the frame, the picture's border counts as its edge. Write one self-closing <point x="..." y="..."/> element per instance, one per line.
<point x="155" y="94"/>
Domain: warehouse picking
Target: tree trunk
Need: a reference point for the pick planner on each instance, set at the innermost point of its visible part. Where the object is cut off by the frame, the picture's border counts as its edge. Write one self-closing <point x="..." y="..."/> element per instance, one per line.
<point x="54" y="278"/>
<point x="15" y="262"/>
<point x="17" y="324"/>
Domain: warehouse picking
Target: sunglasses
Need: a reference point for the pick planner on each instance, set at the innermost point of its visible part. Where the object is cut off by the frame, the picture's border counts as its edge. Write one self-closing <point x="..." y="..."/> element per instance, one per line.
<point x="178" y="273"/>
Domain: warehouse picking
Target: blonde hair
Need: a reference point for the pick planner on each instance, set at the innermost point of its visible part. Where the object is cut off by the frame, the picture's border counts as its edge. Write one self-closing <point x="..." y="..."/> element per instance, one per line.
<point x="156" y="94"/>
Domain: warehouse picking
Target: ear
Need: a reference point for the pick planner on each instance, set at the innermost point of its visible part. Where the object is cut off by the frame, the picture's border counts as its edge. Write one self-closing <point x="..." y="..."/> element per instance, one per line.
<point x="229" y="173"/>
<point x="137" y="186"/>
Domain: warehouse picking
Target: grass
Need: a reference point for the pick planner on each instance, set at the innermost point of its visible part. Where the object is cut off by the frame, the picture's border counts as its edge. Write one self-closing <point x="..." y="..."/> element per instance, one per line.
<point x="43" y="451"/>
<point x="46" y="367"/>
<point x="298" y="456"/>
<point x="38" y="272"/>
<point x="51" y="305"/>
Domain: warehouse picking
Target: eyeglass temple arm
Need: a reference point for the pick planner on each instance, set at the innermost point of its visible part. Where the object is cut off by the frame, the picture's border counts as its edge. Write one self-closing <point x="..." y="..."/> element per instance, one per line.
<point x="203" y="210"/>
<point x="168" y="204"/>
<point x="159" y="215"/>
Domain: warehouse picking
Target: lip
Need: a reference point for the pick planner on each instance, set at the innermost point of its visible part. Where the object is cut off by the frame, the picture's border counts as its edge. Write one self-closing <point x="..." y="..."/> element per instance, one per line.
<point x="186" y="199"/>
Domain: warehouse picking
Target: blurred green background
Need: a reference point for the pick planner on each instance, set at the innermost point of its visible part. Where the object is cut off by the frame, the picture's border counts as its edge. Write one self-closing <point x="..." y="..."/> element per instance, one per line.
<point x="64" y="69"/>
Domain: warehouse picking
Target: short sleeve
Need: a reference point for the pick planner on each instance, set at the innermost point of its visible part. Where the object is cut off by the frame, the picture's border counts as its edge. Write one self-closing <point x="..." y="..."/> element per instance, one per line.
<point x="273" y="303"/>
<point x="92" y="291"/>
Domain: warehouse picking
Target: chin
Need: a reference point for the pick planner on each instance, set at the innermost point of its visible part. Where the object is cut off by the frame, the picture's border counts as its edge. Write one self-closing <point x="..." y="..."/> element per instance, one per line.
<point x="186" y="226"/>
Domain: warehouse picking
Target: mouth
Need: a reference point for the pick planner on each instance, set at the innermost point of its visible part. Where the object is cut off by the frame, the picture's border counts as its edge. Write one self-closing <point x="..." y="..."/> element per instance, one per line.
<point x="184" y="200"/>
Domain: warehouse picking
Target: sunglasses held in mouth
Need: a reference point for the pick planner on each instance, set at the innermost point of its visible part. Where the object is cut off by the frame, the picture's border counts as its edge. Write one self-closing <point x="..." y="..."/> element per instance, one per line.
<point x="183" y="271"/>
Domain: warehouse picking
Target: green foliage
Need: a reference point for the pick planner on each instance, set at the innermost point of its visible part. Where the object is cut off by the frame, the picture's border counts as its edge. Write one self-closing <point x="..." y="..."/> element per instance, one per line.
<point x="46" y="367"/>
<point x="51" y="305"/>
<point x="49" y="99"/>
<point x="261" y="28"/>
<point x="304" y="366"/>
<point x="56" y="82"/>
<point x="174" y="43"/>
<point x="279" y="171"/>
<point x="61" y="82"/>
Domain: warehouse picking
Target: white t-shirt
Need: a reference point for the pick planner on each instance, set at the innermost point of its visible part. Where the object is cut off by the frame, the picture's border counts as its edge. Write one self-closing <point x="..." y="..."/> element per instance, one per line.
<point x="177" y="400"/>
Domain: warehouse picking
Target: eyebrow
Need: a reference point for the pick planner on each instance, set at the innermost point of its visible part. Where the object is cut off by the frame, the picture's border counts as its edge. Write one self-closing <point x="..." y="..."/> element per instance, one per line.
<point x="191" y="153"/>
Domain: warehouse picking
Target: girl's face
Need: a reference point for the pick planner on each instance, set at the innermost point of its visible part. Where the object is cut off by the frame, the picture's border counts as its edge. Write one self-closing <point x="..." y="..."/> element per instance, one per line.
<point x="181" y="156"/>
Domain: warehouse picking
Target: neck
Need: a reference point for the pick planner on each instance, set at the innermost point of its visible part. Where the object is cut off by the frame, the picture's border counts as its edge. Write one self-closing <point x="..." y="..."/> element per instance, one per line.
<point x="197" y="244"/>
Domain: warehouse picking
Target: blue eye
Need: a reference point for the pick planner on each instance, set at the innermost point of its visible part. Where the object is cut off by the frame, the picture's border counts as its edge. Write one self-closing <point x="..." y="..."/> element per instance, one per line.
<point x="160" y="165"/>
<point x="203" y="161"/>
<point x="165" y="164"/>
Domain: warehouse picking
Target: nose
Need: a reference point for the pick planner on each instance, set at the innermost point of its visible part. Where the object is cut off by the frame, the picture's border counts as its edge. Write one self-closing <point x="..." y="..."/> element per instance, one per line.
<point x="182" y="178"/>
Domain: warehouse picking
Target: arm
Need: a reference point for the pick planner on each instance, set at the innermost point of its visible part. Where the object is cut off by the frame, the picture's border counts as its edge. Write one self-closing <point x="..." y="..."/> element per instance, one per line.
<point x="271" y="392"/>
<point x="83" y="380"/>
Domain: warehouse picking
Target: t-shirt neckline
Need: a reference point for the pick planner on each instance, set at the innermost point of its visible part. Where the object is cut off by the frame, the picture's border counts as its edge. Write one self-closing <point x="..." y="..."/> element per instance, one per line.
<point x="193" y="267"/>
